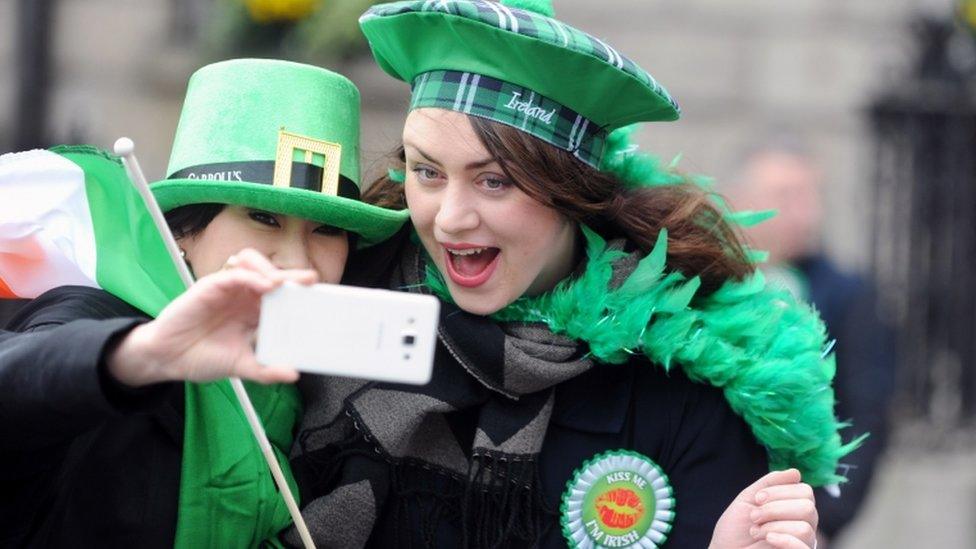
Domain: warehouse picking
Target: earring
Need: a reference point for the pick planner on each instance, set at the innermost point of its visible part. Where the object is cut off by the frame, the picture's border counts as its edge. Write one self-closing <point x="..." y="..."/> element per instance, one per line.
<point x="187" y="261"/>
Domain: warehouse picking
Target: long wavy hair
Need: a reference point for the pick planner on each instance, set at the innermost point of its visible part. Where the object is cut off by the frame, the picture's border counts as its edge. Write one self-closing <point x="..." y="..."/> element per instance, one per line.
<point x="700" y="241"/>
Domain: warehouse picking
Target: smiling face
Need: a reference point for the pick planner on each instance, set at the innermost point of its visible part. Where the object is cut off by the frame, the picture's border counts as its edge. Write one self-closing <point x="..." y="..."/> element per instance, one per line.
<point x="490" y="241"/>
<point x="288" y="242"/>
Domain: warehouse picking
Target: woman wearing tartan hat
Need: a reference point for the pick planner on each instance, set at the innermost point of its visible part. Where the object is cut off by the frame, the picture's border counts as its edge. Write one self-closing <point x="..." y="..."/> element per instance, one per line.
<point x="120" y="430"/>
<point x="611" y="368"/>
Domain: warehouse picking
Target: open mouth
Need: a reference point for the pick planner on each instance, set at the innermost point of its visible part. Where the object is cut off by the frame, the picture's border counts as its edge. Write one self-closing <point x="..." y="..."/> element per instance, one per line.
<point x="471" y="266"/>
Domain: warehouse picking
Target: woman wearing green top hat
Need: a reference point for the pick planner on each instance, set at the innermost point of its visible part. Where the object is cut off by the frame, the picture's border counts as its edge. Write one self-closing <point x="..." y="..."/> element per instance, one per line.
<point x="114" y="432"/>
<point x="611" y="370"/>
<point x="103" y="442"/>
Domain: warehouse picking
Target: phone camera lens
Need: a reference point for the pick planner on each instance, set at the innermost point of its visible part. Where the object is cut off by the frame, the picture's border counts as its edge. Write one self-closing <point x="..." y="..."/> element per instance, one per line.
<point x="409" y="340"/>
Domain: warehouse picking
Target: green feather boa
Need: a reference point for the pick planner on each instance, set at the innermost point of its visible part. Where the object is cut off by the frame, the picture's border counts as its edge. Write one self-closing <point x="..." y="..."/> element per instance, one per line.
<point x="762" y="348"/>
<point x="766" y="351"/>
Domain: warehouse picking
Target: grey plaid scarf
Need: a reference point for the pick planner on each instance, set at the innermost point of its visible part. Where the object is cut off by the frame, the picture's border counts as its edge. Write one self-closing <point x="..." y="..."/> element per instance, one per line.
<point x="362" y="443"/>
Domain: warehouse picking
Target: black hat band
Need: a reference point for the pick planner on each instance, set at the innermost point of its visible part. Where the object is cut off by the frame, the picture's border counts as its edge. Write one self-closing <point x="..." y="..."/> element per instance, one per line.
<point x="303" y="175"/>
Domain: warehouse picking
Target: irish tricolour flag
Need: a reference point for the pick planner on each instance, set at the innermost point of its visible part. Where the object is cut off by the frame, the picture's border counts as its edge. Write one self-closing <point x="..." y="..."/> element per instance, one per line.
<point x="71" y="216"/>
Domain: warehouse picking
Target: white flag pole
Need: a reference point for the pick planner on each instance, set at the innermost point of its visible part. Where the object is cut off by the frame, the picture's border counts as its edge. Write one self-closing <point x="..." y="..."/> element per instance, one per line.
<point x="125" y="148"/>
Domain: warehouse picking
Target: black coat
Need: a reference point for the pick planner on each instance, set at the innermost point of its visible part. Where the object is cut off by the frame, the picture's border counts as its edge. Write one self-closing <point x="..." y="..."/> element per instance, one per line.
<point x="865" y="379"/>
<point x="686" y="428"/>
<point x="84" y="462"/>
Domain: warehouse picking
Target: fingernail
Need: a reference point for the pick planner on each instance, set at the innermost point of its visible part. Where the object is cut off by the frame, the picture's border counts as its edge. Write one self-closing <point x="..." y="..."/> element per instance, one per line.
<point x="761" y="497"/>
<point x="755" y="515"/>
<point x="754" y="531"/>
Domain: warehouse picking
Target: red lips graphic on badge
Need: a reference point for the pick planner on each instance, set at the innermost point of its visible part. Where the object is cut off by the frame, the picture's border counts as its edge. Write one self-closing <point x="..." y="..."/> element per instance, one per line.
<point x="619" y="508"/>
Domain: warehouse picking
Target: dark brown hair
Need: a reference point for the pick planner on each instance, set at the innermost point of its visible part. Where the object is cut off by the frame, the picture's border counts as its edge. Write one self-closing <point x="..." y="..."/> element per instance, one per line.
<point x="192" y="219"/>
<point x="700" y="242"/>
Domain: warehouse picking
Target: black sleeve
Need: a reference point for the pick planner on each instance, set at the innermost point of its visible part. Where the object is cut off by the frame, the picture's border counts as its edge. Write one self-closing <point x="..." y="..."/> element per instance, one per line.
<point x="863" y="387"/>
<point x="52" y="373"/>
<point x="709" y="453"/>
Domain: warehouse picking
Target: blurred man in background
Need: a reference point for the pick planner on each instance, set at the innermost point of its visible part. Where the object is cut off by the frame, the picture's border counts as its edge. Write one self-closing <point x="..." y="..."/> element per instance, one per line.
<point x="782" y="176"/>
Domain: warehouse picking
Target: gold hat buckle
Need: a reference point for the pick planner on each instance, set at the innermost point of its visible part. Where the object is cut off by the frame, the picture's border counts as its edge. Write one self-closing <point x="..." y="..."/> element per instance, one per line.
<point x="289" y="142"/>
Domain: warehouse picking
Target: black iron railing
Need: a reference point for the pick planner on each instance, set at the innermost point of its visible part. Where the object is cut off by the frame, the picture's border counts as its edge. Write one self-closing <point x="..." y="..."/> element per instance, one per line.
<point x="925" y="225"/>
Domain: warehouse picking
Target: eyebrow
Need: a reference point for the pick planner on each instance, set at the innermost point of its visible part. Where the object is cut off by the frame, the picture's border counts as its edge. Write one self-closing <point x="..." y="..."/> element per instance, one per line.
<point x="470" y="166"/>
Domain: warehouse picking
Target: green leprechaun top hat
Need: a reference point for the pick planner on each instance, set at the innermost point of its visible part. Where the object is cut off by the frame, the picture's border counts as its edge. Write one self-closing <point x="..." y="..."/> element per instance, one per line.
<point x="277" y="136"/>
<point x="512" y="63"/>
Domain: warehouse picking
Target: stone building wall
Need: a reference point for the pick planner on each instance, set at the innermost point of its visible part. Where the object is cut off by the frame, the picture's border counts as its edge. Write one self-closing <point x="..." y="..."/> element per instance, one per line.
<point x="739" y="69"/>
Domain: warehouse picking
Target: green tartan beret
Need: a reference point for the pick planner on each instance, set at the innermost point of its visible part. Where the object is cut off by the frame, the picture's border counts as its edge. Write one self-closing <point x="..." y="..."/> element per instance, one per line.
<point x="515" y="66"/>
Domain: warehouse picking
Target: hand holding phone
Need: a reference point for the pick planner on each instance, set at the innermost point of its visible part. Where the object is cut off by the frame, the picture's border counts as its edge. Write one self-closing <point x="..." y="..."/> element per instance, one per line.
<point x="363" y="333"/>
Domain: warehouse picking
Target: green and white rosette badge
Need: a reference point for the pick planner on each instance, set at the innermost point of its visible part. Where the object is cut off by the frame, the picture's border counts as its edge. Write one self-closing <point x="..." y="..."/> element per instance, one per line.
<point x="617" y="499"/>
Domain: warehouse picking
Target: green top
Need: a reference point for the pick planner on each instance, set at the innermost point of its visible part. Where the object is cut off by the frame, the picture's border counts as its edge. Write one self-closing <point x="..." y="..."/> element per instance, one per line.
<point x="228" y="497"/>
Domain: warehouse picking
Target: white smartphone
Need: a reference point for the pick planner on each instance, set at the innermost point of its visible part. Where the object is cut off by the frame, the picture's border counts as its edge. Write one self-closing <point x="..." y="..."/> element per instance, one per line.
<point x="379" y="335"/>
